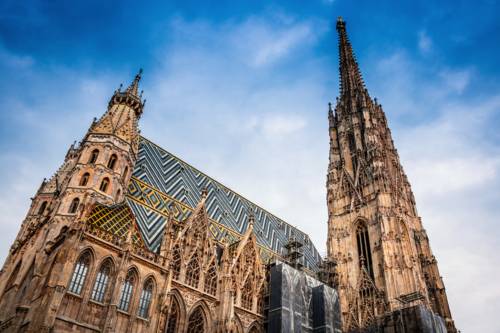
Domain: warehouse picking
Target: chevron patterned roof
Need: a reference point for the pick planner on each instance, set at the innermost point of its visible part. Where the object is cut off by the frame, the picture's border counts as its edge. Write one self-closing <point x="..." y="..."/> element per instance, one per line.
<point x="163" y="184"/>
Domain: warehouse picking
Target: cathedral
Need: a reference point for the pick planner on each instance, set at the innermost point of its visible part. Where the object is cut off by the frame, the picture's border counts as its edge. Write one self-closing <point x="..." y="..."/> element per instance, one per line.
<point x="127" y="237"/>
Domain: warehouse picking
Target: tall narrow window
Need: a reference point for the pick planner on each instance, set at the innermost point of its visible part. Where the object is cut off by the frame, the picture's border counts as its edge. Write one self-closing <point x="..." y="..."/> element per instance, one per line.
<point x="112" y="161"/>
<point x="127" y="290"/>
<point x="104" y="185"/>
<point x="196" y="322"/>
<point x="173" y="317"/>
<point x="145" y="300"/>
<point x="246" y="295"/>
<point x="364" y="252"/>
<point x="193" y="272"/>
<point x="93" y="156"/>
<point x="176" y="262"/>
<point x="211" y="280"/>
<point x="125" y="173"/>
<point x="85" y="179"/>
<point x="101" y="282"/>
<point x="74" y="206"/>
<point x="80" y="274"/>
<point x="42" y="208"/>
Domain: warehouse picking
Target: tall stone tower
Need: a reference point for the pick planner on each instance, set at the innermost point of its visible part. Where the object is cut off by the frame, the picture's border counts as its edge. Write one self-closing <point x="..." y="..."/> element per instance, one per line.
<point x="384" y="262"/>
<point x="97" y="171"/>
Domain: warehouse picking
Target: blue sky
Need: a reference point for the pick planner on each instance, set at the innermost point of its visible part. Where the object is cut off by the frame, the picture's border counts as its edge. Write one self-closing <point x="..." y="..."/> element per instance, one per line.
<point x="240" y="90"/>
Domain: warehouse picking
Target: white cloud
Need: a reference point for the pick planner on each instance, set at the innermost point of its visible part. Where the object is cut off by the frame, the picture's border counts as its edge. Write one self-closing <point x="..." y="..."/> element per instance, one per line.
<point x="456" y="80"/>
<point x="424" y="42"/>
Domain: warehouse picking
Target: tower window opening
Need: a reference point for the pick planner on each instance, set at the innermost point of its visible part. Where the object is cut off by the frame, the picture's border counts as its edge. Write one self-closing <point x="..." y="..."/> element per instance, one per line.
<point x="104" y="185"/>
<point x="42" y="208"/>
<point x="74" y="206"/>
<point x="85" y="179"/>
<point x="112" y="161"/>
<point x="101" y="282"/>
<point x="125" y="173"/>
<point x="364" y="252"/>
<point x="93" y="156"/>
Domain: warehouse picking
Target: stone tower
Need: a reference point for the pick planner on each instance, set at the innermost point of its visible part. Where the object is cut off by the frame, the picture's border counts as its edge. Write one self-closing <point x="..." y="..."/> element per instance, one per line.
<point x="375" y="236"/>
<point x="96" y="171"/>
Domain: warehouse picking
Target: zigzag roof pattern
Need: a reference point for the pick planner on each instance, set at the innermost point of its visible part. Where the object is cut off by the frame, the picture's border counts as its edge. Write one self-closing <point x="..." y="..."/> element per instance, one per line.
<point x="163" y="184"/>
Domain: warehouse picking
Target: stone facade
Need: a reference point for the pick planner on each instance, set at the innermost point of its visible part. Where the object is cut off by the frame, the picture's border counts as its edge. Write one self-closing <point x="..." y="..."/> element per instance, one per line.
<point x="80" y="264"/>
<point x="127" y="238"/>
<point x="375" y="236"/>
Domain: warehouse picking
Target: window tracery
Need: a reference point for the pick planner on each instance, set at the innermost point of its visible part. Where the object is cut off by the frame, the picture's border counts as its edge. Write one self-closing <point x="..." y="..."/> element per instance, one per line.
<point x="364" y="251"/>
<point x="127" y="291"/>
<point x="193" y="272"/>
<point x="145" y="300"/>
<point x="196" y="322"/>
<point x="42" y="208"/>
<point x="80" y="274"/>
<point x="246" y="295"/>
<point x="173" y="317"/>
<point x="101" y="282"/>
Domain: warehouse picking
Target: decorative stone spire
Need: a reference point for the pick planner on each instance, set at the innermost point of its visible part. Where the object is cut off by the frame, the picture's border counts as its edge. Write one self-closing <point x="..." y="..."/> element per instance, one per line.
<point x="350" y="76"/>
<point x="130" y="96"/>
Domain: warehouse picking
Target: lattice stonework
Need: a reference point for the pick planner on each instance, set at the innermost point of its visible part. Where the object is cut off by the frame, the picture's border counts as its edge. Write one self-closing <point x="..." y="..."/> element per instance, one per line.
<point x="164" y="185"/>
<point x="117" y="220"/>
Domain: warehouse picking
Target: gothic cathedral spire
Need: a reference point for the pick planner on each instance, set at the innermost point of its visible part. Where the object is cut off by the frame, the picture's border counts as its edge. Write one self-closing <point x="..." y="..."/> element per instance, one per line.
<point x="384" y="261"/>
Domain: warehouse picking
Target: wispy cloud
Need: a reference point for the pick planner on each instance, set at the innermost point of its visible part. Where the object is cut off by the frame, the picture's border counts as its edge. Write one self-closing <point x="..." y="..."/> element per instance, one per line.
<point x="424" y="42"/>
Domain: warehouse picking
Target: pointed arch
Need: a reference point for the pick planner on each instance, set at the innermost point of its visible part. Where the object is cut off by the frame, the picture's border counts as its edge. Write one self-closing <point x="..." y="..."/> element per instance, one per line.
<point x="28" y="277"/>
<point x="93" y="156"/>
<point x="74" y="206"/>
<point x="146" y="297"/>
<point x="104" y="185"/>
<point x="238" y="325"/>
<point x="80" y="272"/>
<point x="112" y="161"/>
<point x="254" y="328"/>
<point x="127" y="290"/>
<point x="85" y="179"/>
<point x="106" y="271"/>
<point x="198" y="320"/>
<point x="176" y="314"/>
<point x="247" y="294"/>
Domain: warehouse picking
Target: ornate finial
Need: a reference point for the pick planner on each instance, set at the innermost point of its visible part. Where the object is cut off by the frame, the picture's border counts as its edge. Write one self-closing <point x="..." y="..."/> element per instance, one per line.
<point x="330" y="107"/>
<point x="340" y="23"/>
<point x="134" y="87"/>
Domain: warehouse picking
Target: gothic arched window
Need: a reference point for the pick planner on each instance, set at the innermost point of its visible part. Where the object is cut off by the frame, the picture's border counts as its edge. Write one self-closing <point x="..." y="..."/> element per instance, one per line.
<point x="74" y="206"/>
<point x="101" y="281"/>
<point x="193" y="272"/>
<point x="176" y="262"/>
<point x="125" y="173"/>
<point x="42" y="208"/>
<point x="364" y="252"/>
<point x="104" y="185"/>
<point x="246" y="295"/>
<point x="211" y="280"/>
<point x="127" y="291"/>
<point x="145" y="300"/>
<point x="112" y="161"/>
<point x="80" y="274"/>
<point x="93" y="156"/>
<point x="197" y="322"/>
<point x="173" y="317"/>
<point x="85" y="179"/>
